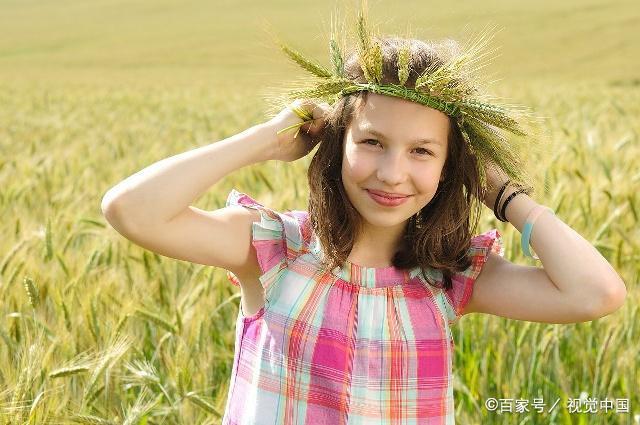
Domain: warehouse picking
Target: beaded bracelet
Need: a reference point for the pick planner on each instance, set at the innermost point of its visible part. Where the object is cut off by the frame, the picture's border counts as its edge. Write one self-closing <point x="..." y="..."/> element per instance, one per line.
<point x="501" y="216"/>
<point x="504" y="206"/>
<point x="495" y="206"/>
<point x="528" y="227"/>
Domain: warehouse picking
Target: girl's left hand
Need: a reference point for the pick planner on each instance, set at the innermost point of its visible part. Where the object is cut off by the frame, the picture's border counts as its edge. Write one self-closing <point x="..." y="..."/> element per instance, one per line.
<point x="495" y="179"/>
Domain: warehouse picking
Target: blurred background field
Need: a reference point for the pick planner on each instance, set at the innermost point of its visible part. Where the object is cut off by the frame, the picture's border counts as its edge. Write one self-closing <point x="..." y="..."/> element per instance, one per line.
<point x="94" y="329"/>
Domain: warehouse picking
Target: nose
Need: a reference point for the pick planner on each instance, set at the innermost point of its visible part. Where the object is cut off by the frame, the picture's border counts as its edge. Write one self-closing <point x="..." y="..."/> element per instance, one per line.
<point x="392" y="169"/>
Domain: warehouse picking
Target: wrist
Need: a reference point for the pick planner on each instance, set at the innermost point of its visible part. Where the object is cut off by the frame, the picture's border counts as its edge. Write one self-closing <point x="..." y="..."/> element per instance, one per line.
<point x="505" y="195"/>
<point x="509" y="195"/>
<point x="265" y="139"/>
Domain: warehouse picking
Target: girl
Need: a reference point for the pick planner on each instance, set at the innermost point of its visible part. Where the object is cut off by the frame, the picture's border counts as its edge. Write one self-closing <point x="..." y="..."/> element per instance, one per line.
<point x="346" y="308"/>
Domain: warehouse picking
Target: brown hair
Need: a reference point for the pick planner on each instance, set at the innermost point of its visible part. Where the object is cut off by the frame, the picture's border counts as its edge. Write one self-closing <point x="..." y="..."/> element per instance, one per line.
<point x="440" y="234"/>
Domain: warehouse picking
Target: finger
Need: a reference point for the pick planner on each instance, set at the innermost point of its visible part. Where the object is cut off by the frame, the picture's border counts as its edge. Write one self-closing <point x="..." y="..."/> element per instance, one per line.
<point x="299" y="108"/>
<point x="321" y="110"/>
<point x="308" y="105"/>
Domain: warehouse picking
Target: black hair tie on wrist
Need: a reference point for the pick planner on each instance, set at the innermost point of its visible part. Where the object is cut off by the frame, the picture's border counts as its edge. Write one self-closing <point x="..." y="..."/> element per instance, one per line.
<point x="495" y="206"/>
<point x="504" y="206"/>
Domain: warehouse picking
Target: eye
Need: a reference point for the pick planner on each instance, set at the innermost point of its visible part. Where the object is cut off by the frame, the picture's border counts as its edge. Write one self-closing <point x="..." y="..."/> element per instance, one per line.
<point x="366" y="141"/>
<point x="425" y="151"/>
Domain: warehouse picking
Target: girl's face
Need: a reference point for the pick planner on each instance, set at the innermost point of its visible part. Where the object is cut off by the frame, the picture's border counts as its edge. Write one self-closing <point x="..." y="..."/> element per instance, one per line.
<point x="396" y="146"/>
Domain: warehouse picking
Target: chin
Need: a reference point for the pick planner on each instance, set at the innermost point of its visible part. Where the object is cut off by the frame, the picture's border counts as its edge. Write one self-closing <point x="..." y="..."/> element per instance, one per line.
<point x="383" y="219"/>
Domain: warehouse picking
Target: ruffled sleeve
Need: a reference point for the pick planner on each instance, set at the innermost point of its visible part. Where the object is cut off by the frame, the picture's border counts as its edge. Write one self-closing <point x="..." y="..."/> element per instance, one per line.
<point x="458" y="296"/>
<point x="276" y="237"/>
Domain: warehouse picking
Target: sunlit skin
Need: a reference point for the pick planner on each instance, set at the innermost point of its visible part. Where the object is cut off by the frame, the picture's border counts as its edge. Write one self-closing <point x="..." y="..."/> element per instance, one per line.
<point x="391" y="161"/>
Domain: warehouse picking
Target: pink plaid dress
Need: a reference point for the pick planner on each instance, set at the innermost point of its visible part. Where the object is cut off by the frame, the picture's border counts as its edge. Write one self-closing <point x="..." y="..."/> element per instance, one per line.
<point x="356" y="345"/>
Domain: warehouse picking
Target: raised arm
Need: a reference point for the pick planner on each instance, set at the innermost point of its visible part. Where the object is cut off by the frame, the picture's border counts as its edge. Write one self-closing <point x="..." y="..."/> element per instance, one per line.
<point x="152" y="208"/>
<point x="574" y="284"/>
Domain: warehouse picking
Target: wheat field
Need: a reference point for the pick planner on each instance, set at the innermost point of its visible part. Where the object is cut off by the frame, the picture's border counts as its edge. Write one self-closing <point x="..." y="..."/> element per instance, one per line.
<point x="96" y="330"/>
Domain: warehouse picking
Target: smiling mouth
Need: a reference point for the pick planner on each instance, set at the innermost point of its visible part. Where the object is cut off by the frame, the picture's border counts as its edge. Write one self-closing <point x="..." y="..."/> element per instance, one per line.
<point x="386" y="195"/>
<point x="387" y="202"/>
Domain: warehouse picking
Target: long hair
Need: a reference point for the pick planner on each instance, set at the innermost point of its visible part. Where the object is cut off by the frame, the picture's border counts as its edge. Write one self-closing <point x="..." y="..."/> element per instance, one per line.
<point x="439" y="235"/>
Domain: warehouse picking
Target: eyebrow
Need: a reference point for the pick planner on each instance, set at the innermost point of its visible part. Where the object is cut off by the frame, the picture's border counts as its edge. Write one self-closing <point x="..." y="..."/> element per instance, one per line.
<point x="422" y="141"/>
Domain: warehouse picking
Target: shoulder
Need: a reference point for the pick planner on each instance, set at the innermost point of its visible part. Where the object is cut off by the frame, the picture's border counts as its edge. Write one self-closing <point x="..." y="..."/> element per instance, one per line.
<point x="302" y="222"/>
<point x="458" y="296"/>
<point x="483" y="243"/>
<point x="289" y="228"/>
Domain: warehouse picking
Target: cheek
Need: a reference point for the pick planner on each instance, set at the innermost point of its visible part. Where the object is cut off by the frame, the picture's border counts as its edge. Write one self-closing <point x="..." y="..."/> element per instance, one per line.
<point x="356" y="166"/>
<point x="426" y="181"/>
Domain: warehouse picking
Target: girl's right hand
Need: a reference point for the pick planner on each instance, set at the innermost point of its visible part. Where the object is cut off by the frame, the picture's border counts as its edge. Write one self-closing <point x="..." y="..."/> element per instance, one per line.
<point x="289" y="148"/>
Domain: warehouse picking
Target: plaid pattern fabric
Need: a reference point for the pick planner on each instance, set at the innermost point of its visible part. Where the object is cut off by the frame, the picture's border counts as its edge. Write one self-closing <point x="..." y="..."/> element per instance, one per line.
<point x="353" y="345"/>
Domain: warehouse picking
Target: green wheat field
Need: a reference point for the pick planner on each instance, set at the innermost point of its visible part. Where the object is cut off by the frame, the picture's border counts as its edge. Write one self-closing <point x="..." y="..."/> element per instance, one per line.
<point x="96" y="330"/>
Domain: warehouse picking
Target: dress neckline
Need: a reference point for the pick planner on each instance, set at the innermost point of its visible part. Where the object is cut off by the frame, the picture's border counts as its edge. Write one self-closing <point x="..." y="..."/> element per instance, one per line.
<point x="363" y="276"/>
<point x="372" y="277"/>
